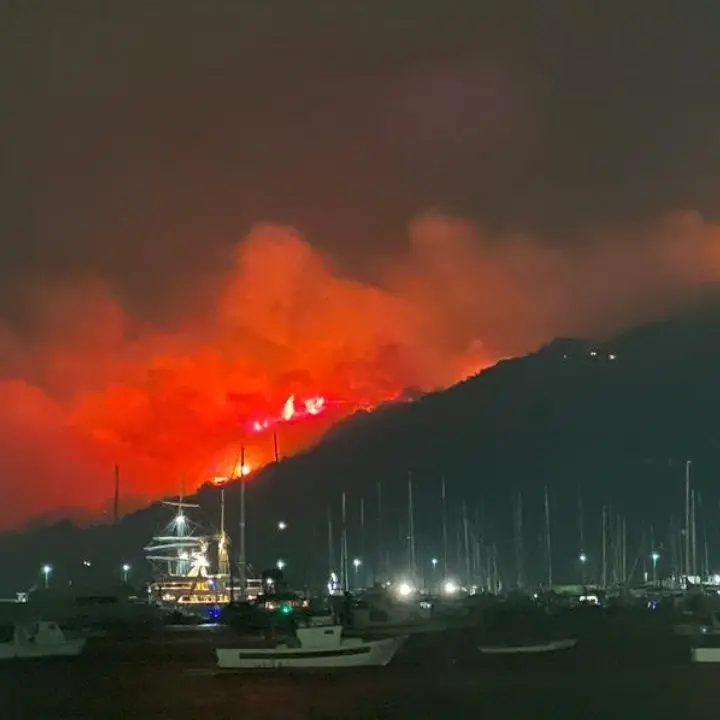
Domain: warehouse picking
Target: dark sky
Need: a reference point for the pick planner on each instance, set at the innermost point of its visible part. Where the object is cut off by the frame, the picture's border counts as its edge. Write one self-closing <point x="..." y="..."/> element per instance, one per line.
<point x="139" y="139"/>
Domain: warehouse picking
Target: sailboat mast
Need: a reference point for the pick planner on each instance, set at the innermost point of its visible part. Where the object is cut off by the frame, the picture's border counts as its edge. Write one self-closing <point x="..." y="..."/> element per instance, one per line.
<point x="362" y="540"/>
<point x="381" y="565"/>
<point x="581" y="521"/>
<point x="331" y="549"/>
<point x="444" y="527"/>
<point x="693" y="535"/>
<point x="519" y="541"/>
<point x="411" y="529"/>
<point x="466" y="543"/>
<point x="344" y="547"/>
<point x="604" y="547"/>
<point x="687" y="518"/>
<point x="243" y="558"/>
<point x="548" y="542"/>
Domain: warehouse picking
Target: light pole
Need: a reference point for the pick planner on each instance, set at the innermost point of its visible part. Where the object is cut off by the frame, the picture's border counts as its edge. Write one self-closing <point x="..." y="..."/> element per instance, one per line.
<point x="47" y="571"/>
<point x="125" y="571"/>
<point x="434" y="562"/>
<point x="583" y="559"/>
<point x="280" y="564"/>
<point x="357" y="562"/>
<point x="655" y="556"/>
<point x="282" y="525"/>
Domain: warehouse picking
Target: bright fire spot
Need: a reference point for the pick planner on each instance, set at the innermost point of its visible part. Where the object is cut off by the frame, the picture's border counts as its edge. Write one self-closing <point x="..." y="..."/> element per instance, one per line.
<point x="242" y="470"/>
<point x="288" y="409"/>
<point x="311" y="407"/>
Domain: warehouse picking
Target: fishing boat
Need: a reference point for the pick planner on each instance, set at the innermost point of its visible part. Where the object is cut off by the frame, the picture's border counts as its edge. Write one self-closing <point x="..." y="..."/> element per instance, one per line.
<point x="315" y="647"/>
<point x="38" y="639"/>
<point x="553" y="646"/>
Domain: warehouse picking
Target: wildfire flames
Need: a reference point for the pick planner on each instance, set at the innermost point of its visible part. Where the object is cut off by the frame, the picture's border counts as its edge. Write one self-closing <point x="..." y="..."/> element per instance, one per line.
<point x="280" y="345"/>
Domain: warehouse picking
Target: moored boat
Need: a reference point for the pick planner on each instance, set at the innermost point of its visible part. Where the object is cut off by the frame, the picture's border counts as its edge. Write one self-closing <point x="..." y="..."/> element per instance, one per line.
<point x="37" y="639"/>
<point x="316" y="647"/>
<point x="553" y="646"/>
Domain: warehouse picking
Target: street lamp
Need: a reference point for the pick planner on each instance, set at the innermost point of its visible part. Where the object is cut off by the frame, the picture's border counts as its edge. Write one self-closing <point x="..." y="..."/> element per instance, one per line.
<point x="125" y="571"/>
<point x="655" y="556"/>
<point x="47" y="570"/>
<point x="583" y="559"/>
<point x="282" y="525"/>
<point x="280" y="564"/>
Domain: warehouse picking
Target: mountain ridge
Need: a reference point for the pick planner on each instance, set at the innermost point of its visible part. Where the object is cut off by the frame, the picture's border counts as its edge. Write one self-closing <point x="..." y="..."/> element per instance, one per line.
<point x="617" y="418"/>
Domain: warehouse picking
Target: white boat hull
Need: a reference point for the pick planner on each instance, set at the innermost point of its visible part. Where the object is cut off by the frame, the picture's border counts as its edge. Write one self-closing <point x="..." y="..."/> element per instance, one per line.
<point x="377" y="653"/>
<point x="706" y="655"/>
<point x="554" y="646"/>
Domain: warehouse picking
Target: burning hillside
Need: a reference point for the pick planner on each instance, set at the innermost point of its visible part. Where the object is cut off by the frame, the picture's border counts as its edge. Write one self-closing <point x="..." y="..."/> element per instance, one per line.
<point x="280" y="343"/>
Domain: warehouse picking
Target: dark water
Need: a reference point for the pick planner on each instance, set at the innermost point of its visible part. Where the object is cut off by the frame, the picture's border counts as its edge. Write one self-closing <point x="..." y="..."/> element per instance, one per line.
<point x="437" y="678"/>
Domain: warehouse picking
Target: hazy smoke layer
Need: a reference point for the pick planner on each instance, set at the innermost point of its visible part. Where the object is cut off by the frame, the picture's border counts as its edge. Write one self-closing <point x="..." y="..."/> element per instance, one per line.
<point x="95" y="386"/>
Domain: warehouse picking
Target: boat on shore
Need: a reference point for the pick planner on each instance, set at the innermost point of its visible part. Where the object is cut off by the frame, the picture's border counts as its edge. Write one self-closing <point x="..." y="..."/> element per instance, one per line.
<point x="37" y="639"/>
<point x="314" y="647"/>
<point x="534" y="649"/>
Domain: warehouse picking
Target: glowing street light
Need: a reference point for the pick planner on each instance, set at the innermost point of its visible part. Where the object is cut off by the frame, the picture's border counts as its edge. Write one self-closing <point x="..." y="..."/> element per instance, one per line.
<point x="583" y="558"/>
<point x="282" y="525"/>
<point x="357" y="562"/>
<point x="125" y="571"/>
<point x="47" y="571"/>
<point x="280" y="564"/>
<point x="655" y="556"/>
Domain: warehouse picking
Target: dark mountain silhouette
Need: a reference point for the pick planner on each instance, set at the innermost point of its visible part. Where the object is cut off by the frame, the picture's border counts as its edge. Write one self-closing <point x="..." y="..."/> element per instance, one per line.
<point x="616" y="419"/>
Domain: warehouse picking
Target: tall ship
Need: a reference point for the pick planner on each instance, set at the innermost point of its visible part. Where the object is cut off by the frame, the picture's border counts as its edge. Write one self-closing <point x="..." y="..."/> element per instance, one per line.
<point x="179" y="556"/>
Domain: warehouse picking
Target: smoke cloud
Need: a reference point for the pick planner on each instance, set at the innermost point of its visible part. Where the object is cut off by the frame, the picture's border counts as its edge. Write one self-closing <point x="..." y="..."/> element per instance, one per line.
<point x="93" y="385"/>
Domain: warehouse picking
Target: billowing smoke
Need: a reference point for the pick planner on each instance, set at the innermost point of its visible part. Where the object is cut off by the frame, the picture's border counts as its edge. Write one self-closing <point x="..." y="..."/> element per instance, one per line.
<point x="94" y="386"/>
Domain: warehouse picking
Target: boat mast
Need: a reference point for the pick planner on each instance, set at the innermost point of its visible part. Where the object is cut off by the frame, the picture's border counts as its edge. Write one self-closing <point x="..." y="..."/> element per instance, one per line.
<point x="362" y="542"/>
<point x="223" y="559"/>
<point x="243" y="559"/>
<point x="411" y="530"/>
<point x="116" y="503"/>
<point x="519" y="568"/>
<point x="466" y="543"/>
<point x="344" y="547"/>
<point x="581" y="521"/>
<point x="687" y="518"/>
<point x="693" y="535"/>
<point x="381" y="564"/>
<point x="548" y="543"/>
<point x="444" y="527"/>
<point x="331" y="549"/>
<point x="604" y="547"/>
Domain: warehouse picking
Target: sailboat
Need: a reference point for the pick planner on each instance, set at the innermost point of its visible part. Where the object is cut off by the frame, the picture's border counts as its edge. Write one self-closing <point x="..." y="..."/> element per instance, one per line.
<point x="179" y="556"/>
